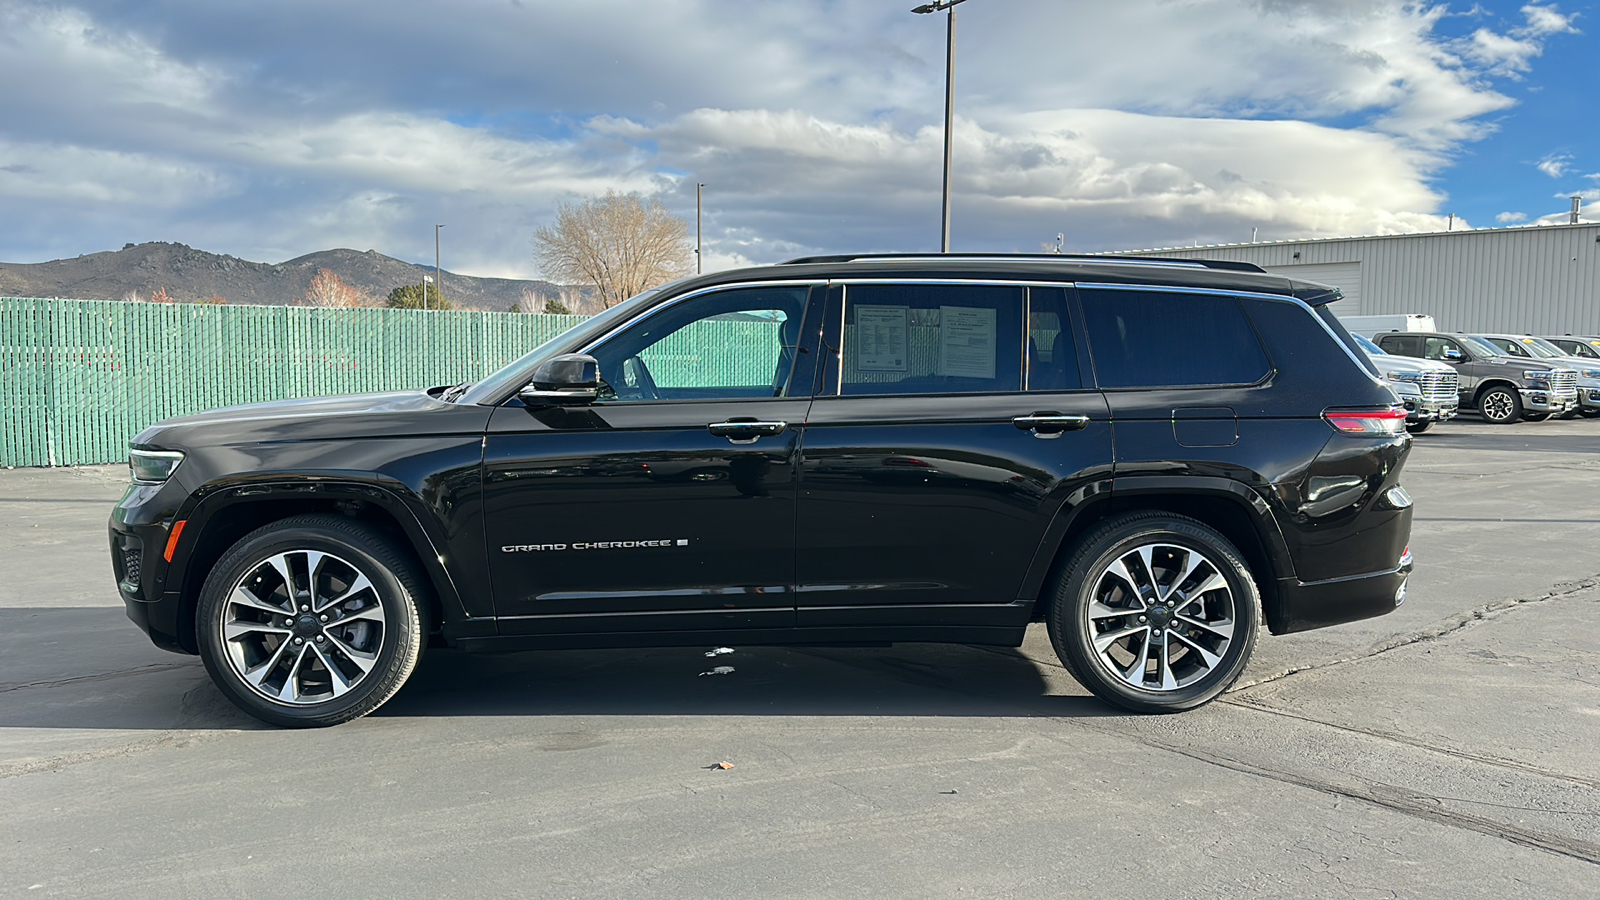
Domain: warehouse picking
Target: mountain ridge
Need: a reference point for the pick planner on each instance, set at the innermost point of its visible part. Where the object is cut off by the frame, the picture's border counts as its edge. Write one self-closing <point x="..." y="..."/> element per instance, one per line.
<point x="190" y="275"/>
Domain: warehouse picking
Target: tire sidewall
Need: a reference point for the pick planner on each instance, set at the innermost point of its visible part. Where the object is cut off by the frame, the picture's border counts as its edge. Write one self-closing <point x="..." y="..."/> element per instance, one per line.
<point x="401" y="640"/>
<point x="1068" y="617"/>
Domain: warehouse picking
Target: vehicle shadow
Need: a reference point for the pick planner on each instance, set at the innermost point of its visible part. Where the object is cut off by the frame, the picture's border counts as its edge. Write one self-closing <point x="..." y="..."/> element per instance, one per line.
<point x="108" y="677"/>
<point x="902" y="680"/>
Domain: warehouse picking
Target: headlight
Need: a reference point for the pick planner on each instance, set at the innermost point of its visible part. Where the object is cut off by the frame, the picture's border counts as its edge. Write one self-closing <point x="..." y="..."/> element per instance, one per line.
<point x="1589" y="373"/>
<point x="153" y="466"/>
<point x="1408" y="377"/>
<point x="1537" y="377"/>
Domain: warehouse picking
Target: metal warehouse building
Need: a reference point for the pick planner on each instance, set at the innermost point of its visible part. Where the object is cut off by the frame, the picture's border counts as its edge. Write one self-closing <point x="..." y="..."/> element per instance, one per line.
<point x="1540" y="280"/>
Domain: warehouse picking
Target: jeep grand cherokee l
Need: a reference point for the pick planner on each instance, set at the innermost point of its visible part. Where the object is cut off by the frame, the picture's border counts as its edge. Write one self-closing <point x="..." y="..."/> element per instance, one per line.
<point x="1150" y="456"/>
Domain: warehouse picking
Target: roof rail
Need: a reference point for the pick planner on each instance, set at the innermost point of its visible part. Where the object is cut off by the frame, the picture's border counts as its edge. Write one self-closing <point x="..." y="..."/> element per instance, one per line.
<point x="1090" y="258"/>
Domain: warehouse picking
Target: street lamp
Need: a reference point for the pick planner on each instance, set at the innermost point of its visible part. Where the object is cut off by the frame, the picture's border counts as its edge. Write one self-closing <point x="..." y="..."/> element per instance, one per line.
<point x="438" y="280"/>
<point x="949" y="101"/>
<point x="697" y="189"/>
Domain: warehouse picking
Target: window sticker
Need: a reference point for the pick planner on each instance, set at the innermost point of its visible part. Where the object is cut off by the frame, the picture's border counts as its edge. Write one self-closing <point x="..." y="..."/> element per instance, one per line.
<point x="967" y="341"/>
<point x="881" y="338"/>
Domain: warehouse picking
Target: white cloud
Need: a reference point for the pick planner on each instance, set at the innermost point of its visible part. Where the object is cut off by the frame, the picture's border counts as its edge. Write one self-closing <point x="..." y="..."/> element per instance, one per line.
<point x="1555" y="165"/>
<point x="816" y="127"/>
<point x="1511" y="218"/>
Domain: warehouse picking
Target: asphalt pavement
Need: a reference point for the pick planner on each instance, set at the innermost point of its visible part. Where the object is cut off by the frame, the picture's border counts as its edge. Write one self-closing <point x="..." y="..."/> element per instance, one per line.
<point x="1446" y="750"/>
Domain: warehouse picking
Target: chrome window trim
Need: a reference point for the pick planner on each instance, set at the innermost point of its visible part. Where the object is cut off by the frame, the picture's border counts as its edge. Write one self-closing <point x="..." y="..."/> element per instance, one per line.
<point x="668" y="304"/>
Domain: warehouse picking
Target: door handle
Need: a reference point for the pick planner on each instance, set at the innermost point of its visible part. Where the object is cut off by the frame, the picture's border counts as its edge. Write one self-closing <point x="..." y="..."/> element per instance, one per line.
<point x="1049" y="424"/>
<point x="746" y="431"/>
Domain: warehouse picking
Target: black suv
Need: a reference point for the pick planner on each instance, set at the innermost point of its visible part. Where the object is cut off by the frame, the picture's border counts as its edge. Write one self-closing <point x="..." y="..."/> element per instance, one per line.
<point x="1151" y="456"/>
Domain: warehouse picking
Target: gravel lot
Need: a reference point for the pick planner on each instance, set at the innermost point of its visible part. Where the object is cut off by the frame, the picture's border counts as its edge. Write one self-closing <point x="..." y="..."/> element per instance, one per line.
<point x="1447" y="750"/>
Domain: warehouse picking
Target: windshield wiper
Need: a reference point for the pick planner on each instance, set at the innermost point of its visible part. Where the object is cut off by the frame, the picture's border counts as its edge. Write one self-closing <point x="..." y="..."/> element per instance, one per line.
<point x="450" y="394"/>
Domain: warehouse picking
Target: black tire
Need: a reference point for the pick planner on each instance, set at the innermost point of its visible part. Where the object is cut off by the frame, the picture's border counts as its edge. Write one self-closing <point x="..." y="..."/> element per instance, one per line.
<point x="1419" y="427"/>
<point x="1087" y="588"/>
<point x="1589" y="412"/>
<point x="1569" y="414"/>
<point x="1534" y="417"/>
<point x="346" y="650"/>
<point x="1500" y="405"/>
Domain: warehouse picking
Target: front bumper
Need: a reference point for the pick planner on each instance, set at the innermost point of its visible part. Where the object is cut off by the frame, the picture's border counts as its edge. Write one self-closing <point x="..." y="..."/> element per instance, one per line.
<point x="1424" y="411"/>
<point x="1589" y="394"/>
<point x="140" y="524"/>
<point x="1540" y="400"/>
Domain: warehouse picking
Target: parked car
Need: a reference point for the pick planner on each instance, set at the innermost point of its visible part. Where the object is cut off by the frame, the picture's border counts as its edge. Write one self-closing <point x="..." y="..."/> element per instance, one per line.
<point x="1581" y="347"/>
<point x="1529" y="347"/>
<point x="1585" y="353"/>
<point x="1428" y="390"/>
<point x="1150" y="456"/>
<point x="1502" y="388"/>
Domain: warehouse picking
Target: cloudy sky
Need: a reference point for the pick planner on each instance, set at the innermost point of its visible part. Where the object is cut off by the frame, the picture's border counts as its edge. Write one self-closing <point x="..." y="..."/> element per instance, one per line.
<point x="271" y="130"/>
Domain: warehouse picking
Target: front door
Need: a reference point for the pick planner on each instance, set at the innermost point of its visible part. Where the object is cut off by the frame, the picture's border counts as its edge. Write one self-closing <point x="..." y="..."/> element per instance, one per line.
<point x="668" y="504"/>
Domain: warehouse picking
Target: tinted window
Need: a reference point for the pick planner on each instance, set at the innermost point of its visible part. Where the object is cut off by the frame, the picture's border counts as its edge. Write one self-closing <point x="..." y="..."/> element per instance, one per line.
<point x="931" y="339"/>
<point x="1435" y="348"/>
<point x="1052" y="354"/>
<point x="1159" y="338"/>
<point x="726" y="344"/>
<point x="1400" y="344"/>
<point x="1510" y="347"/>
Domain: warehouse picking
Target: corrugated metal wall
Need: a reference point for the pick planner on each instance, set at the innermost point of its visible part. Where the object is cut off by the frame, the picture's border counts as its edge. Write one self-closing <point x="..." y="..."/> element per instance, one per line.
<point x="1544" y="280"/>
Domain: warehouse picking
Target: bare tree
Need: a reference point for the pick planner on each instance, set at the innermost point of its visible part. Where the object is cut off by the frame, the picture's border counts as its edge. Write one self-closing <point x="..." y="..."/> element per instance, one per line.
<point x="619" y="243"/>
<point x="329" y="290"/>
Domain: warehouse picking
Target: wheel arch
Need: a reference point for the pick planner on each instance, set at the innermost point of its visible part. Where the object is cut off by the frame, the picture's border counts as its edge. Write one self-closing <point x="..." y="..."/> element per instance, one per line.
<point x="1227" y="506"/>
<point x="220" y="518"/>
<point x="1486" y="384"/>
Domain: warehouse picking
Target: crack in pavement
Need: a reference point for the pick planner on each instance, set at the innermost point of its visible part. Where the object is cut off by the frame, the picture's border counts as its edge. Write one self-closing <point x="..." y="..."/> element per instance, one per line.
<point x="103" y="676"/>
<point x="1492" y="609"/>
<point x="1253" y="705"/>
<point x="1422" y="806"/>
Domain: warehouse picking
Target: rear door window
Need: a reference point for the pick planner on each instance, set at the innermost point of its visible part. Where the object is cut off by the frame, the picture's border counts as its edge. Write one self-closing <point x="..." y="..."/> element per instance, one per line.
<point x="931" y="339"/>
<point x="1145" y="338"/>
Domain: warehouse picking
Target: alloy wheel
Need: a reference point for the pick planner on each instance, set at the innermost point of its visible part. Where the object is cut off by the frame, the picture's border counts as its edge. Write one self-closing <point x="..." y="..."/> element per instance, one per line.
<point x="1161" y="617"/>
<point x="303" y="627"/>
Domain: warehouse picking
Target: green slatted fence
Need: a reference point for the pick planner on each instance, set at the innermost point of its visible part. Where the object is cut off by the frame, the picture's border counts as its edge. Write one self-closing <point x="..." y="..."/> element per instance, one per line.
<point x="82" y="377"/>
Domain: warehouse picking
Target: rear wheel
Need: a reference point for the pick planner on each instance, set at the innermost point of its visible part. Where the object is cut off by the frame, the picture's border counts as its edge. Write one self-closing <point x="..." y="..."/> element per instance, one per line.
<point x="1500" y="406"/>
<point x="310" y="621"/>
<point x="1154" y="613"/>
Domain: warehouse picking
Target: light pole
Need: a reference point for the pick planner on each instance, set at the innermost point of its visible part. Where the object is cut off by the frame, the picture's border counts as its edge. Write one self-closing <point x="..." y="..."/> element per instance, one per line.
<point x="438" y="280"/>
<point x="949" y="102"/>
<point x="698" y="268"/>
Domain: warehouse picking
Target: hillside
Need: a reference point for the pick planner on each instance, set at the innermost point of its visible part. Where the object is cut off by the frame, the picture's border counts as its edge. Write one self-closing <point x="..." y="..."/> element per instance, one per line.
<point x="188" y="274"/>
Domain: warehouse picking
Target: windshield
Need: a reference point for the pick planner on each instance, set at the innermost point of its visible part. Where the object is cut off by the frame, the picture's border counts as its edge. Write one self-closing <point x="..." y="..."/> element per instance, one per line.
<point x="1480" y="346"/>
<point x="509" y="376"/>
<point x="1543" y="348"/>
<point x="1371" y="348"/>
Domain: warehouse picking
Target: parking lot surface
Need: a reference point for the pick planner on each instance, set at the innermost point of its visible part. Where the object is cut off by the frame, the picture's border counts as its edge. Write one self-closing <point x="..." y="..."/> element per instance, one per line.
<point x="1447" y="749"/>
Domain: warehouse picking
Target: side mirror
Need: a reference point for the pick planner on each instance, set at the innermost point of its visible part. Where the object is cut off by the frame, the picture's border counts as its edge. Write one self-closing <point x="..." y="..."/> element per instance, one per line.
<point x="1451" y="354"/>
<point x="571" y="378"/>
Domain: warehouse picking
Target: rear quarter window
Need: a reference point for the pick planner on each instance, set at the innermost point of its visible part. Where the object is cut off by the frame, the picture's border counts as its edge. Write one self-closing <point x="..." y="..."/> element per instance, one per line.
<point x="1149" y="338"/>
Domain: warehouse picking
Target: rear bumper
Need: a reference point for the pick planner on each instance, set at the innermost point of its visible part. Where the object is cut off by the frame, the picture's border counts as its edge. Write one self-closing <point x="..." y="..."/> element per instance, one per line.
<point x="1303" y="606"/>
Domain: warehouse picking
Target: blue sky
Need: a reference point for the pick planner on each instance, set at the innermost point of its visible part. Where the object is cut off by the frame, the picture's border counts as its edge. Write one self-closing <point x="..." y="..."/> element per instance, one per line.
<point x="268" y="131"/>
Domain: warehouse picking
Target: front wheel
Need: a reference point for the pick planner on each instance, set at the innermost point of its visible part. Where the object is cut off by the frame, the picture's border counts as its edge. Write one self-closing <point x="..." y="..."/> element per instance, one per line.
<point x="1154" y="613"/>
<point x="310" y="621"/>
<point x="1500" y="406"/>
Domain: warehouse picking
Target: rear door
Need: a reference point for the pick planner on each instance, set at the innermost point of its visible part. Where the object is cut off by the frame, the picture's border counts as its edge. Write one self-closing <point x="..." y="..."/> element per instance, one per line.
<point x="952" y="426"/>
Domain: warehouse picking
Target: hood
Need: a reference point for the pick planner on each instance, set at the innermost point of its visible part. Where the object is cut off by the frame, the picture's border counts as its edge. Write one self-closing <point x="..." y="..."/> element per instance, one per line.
<point x="1389" y="362"/>
<point x="321" y="418"/>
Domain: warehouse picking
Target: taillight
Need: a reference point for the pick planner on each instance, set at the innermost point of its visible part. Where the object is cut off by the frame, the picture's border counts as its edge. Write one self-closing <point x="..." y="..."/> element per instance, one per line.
<point x="1374" y="422"/>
